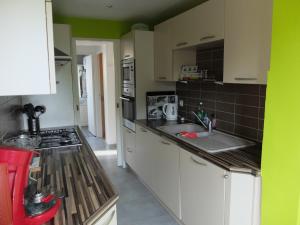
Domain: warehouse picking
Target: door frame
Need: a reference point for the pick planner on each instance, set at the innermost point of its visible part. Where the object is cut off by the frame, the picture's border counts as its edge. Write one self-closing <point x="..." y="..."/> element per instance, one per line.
<point x="102" y="99"/>
<point x="117" y="58"/>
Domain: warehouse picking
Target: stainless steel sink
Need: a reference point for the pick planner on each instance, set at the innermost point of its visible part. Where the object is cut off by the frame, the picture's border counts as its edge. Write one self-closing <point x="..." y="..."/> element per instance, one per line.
<point x="213" y="142"/>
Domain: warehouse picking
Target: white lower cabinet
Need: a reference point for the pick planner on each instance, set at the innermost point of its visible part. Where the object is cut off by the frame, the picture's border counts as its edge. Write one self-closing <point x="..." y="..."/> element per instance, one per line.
<point x="195" y="190"/>
<point x="167" y="175"/>
<point x="129" y="147"/>
<point x="145" y="155"/>
<point x="109" y="218"/>
<point x="202" y="191"/>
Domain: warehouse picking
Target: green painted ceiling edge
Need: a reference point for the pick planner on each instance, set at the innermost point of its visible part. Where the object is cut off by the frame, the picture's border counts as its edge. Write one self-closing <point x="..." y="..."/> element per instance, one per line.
<point x="92" y="28"/>
<point x="108" y="29"/>
<point x="281" y="144"/>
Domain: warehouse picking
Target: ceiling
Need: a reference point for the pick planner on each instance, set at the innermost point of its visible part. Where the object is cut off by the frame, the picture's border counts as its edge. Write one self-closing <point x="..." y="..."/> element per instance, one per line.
<point x="149" y="11"/>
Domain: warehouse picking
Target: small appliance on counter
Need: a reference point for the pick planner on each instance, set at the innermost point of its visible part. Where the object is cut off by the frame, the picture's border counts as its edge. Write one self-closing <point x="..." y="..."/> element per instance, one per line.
<point x="29" y="207"/>
<point x="162" y="104"/>
<point x="33" y="114"/>
<point x="170" y="111"/>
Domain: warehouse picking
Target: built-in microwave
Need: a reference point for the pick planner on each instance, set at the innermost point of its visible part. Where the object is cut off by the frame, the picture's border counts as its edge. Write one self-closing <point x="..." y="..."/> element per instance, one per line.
<point x="128" y="71"/>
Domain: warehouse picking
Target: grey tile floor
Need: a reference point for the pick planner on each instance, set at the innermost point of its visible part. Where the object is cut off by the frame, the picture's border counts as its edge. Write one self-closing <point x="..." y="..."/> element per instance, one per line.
<point x="137" y="205"/>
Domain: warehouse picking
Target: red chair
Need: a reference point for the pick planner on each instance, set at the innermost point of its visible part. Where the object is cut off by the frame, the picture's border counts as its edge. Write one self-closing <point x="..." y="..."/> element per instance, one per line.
<point x="5" y="198"/>
<point x="18" y="161"/>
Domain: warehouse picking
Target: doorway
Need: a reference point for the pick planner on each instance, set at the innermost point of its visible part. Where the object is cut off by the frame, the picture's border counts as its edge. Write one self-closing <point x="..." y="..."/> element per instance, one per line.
<point x="96" y="80"/>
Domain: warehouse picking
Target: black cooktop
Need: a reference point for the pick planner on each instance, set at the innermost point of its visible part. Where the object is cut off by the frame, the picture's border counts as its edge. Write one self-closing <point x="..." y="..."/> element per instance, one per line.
<point x="57" y="138"/>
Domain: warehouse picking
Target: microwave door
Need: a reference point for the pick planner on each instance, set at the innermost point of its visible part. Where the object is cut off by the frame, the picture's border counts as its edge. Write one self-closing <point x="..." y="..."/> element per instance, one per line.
<point x="126" y="74"/>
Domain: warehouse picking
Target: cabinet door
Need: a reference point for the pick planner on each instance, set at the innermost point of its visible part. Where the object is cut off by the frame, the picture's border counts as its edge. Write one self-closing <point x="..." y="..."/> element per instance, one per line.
<point x="167" y="175"/>
<point x="204" y="23"/>
<point x="208" y="20"/>
<point x="182" y="30"/>
<point x="247" y="44"/>
<point x="162" y="52"/>
<point x="127" y="46"/>
<point x="129" y="147"/>
<point x="109" y="218"/>
<point x="202" y="191"/>
<point x="26" y="43"/>
<point x="145" y="147"/>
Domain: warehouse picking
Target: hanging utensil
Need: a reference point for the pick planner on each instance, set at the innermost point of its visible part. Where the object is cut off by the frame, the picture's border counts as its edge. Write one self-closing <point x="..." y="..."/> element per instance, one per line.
<point x="39" y="110"/>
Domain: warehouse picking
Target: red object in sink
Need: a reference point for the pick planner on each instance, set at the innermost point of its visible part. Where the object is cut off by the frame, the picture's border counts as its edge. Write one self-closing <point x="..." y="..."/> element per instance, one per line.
<point x="18" y="161"/>
<point x="191" y="135"/>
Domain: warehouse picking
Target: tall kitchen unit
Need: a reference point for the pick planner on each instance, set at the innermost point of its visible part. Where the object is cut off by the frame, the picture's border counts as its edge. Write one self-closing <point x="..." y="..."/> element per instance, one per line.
<point x="138" y="47"/>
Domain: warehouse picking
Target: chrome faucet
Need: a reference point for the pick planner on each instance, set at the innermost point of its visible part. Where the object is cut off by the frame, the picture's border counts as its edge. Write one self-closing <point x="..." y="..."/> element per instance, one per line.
<point x="207" y="123"/>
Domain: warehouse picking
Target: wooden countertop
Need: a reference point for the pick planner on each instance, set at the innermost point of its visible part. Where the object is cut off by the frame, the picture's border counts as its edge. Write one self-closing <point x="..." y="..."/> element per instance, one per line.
<point x="78" y="175"/>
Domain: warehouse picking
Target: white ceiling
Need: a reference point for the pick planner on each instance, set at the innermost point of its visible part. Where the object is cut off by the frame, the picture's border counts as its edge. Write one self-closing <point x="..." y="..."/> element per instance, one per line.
<point x="122" y="10"/>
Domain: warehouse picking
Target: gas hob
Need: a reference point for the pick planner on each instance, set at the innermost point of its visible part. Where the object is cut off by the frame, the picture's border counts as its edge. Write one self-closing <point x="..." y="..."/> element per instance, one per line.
<point x="58" y="138"/>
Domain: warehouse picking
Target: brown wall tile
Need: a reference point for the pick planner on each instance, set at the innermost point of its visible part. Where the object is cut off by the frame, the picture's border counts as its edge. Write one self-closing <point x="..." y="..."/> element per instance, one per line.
<point x="239" y="108"/>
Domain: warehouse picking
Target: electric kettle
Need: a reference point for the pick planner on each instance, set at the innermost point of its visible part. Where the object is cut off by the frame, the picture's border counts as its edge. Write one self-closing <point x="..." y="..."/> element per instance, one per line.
<point x="170" y="111"/>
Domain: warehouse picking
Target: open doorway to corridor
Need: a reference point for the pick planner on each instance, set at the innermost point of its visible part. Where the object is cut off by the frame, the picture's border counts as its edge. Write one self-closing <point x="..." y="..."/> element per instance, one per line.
<point x="96" y="77"/>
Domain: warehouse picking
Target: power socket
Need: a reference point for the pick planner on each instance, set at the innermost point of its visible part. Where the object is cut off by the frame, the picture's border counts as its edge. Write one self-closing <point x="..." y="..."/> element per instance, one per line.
<point x="181" y="103"/>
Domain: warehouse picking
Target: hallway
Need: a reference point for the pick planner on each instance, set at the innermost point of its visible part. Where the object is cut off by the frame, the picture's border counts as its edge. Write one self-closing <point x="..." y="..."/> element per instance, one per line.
<point x="137" y="205"/>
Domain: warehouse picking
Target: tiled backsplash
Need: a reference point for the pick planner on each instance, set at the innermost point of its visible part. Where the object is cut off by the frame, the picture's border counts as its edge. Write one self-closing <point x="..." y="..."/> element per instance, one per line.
<point x="238" y="108"/>
<point x="211" y="59"/>
<point x="10" y="115"/>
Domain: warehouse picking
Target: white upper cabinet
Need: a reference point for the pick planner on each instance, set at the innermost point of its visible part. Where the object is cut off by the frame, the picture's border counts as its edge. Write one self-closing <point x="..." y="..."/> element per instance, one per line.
<point x="127" y="46"/>
<point x="163" y="52"/>
<point x="27" y="48"/>
<point x="248" y="26"/>
<point x="202" y="24"/>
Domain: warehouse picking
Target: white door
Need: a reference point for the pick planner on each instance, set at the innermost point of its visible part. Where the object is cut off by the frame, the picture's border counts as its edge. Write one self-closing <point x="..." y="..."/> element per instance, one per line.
<point x="202" y="191"/>
<point x="88" y="64"/>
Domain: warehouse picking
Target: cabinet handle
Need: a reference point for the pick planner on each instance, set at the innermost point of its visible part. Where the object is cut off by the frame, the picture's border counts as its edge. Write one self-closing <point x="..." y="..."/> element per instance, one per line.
<point x="207" y="37"/>
<point x="245" y="78"/>
<point x="162" y="78"/>
<point x="165" y="143"/>
<point x="226" y="176"/>
<point x="181" y="44"/>
<point x="197" y="162"/>
<point x="143" y="130"/>
<point x="126" y="99"/>
<point x="128" y="150"/>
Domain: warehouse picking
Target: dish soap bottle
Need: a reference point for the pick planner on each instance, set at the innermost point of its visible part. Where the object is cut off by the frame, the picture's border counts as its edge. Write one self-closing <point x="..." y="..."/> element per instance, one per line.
<point x="201" y="112"/>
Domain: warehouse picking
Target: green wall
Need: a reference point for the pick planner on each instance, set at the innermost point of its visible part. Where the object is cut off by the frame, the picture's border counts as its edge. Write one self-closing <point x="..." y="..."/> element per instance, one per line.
<point x="92" y="28"/>
<point x="281" y="145"/>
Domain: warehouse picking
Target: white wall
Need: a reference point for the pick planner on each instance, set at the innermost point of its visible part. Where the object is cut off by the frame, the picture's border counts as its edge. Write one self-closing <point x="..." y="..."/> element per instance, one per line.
<point x="88" y="64"/>
<point x="109" y="93"/>
<point x="60" y="109"/>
